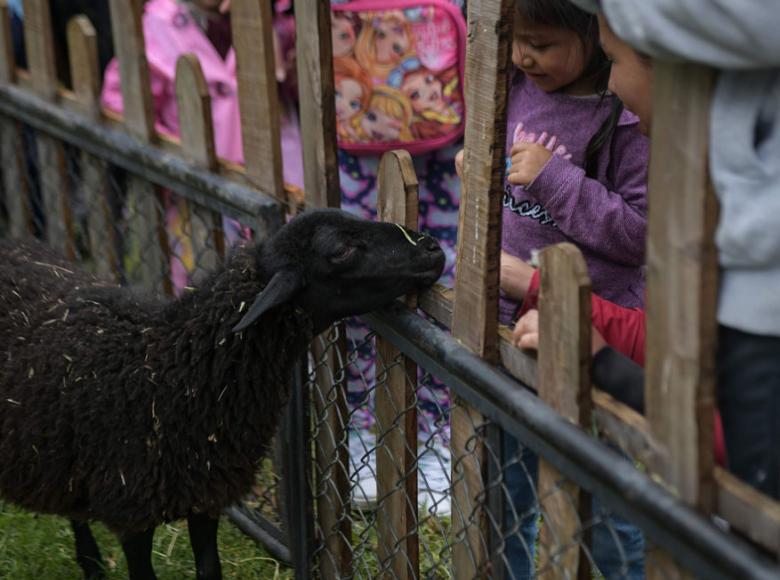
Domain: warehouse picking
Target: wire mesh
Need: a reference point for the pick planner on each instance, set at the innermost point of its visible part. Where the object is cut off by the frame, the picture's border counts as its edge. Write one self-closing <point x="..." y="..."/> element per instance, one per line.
<point x="507" y="523"/>
<point x="120" y="226"/>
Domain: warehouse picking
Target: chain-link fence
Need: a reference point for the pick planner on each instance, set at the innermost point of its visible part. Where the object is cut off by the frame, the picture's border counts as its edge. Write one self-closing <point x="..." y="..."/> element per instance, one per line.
<point x="509" y="524"/>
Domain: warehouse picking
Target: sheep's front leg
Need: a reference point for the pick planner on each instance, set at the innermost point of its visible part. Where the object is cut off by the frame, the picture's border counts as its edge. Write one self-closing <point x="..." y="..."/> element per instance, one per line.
<point x="87" y="552"/>
<point x="203" y="537"/>
<point x="138" y="552"/>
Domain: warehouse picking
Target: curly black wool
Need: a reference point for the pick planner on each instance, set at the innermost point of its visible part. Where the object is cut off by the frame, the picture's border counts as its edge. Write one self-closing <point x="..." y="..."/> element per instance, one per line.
<point x="129" y="409"/>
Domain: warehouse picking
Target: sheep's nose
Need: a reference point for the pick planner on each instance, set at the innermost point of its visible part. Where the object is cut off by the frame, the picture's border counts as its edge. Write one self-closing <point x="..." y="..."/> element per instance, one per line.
<point x="429" y="244"/>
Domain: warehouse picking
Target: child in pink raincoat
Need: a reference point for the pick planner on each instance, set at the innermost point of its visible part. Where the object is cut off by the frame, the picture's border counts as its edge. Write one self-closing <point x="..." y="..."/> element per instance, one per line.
<point x="173" y="28"/>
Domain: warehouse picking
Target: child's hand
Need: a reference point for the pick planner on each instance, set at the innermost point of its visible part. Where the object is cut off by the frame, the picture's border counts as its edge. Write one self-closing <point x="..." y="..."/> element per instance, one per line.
<point x="528" y="159"/>
<point x="526" y="333"/>
<point x="459" y="163"/>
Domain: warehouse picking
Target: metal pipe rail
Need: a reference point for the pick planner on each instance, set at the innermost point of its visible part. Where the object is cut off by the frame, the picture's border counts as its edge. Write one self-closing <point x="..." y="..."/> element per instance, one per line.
<point x="253" y="207"/>
<point x="667" y="521"/>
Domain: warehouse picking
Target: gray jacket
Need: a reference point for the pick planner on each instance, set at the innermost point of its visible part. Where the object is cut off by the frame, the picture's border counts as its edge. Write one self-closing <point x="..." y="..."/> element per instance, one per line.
<point x="739" y="37"/>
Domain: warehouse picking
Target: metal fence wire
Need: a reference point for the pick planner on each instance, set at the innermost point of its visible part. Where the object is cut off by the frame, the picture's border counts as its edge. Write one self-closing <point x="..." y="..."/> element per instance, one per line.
<point x="509" y="510"/>
<point x="121" y="226"/>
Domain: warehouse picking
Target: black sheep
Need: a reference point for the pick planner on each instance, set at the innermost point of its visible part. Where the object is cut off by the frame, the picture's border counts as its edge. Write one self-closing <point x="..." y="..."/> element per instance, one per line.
<point x="134" y="411"/>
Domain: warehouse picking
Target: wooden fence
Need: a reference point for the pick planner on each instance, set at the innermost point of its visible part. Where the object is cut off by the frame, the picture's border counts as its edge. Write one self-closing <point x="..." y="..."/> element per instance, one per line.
<point x="674" y="440"/>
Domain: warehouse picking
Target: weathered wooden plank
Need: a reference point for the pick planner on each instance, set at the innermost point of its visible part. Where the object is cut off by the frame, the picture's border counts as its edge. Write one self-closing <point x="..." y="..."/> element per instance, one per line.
<point x="55" y="193"/>
<point x="314" y="59"/>
<point x="128" y="34"/>
<point x="332" y="485"/>
<point x="97" y="195"/>
<point x="15" y="184"/>
<point x="146" y="241"/>
<point x="475" y="310"/>
<point x="257" y="93"/>
<point x="479" y="230"/>
<point x="681" y="287"/>
<point x="84" y="73"/>
<point x="682" y="281"/>
<point x="7" y="60"/>
<point x="93" y="183"/>
<point x="149" y="264"/>
<point x="754" y="514"/>
<point x="15" y="193"/>
<point x="564" y="384"/>
<point x="39" y="44"/>
<point x="321" y="185"/>
<point x="396" y="408"/>
<point x="204" y="226"/>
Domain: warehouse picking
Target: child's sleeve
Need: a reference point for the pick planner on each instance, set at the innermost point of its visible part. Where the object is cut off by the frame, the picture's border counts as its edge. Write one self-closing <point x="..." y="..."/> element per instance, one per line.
<point x="622" y="328"/>
<point x="610" y="223"/>
<point x="111" y="94"/>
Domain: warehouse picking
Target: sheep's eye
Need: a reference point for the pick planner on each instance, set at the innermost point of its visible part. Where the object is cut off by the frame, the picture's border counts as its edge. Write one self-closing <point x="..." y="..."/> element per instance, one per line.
<point x="343" y="254"/>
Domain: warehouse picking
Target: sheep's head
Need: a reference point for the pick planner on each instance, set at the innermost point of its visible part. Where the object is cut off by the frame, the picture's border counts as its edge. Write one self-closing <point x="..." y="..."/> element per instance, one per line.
<point x="333" y="265"/>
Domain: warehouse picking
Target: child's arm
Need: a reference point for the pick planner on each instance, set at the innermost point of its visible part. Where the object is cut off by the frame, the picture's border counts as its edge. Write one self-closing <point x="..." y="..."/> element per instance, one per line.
<point x="111" y="93"/>
<point x="622" y="328"/>
<point x="610" y="223"/>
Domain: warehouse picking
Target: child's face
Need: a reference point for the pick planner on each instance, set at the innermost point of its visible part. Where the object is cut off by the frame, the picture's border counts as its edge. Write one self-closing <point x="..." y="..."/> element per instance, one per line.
<point x="553" y="58"/>
<point x="380" y="126"/>
<point x="348" y="98"/>
<point x="423" y="91"/>
<point x="391" y="40"/>
<point x="343" y="36"/>
<point x="631" y="77"/>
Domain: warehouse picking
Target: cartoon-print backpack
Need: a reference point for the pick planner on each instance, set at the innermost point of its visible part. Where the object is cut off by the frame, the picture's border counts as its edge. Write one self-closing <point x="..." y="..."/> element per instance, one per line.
<point x="398" y="72"/>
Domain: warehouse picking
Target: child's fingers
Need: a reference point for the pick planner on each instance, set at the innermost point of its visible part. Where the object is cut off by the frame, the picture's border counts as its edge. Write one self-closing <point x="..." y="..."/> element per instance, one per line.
<point x="459" y="163"/>
<point x="517" y="178"/>
<point x="526" y="331"/>
<point x="519" y="147"/>
<point x="529" y="341"/>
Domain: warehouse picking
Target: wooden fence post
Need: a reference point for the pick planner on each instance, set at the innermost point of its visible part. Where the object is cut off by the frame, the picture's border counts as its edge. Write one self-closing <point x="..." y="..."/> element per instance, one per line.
<point x="564" y="384"/>
<point x="321" y="184"/>
<point x="257" y="93"/>
<point x="475" y="314"/>
<point x="396" y="400"/>
<point x="317" y="103"/>
<point x="15" y="184"/>
<point x="94" y="184"/>
<point x="52" y="160"/>
<point x="202" y="225"/>
<point x="7" y="57"/>
<point x="147" y="219"/>
<point x="682" y="282"/>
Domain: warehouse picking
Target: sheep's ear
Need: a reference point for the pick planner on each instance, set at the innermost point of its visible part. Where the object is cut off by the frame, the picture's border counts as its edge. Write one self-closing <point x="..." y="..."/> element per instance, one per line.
<point x="279" y="290"/>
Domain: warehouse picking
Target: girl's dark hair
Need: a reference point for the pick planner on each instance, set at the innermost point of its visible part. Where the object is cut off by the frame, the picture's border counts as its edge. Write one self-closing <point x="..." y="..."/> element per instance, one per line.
<point x="564" y="14"/>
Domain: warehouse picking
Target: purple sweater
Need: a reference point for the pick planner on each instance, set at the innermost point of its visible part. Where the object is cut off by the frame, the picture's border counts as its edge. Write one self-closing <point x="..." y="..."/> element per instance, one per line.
<point x="605" y="217"/>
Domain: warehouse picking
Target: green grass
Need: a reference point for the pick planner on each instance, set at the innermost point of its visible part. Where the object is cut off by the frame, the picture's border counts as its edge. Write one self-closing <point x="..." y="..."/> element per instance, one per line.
<point x="38" y="547"/>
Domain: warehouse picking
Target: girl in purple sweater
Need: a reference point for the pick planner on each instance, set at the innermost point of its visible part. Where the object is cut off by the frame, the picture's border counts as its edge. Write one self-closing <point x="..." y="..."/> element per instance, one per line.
<point x="577" y="161"/>
<point x="577" y="172"/>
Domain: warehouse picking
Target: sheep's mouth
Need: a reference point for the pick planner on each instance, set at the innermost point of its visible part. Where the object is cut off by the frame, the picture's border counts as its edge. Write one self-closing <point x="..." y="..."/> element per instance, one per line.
<point x="428" y="278"/>
<point x="427" y="275"/>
